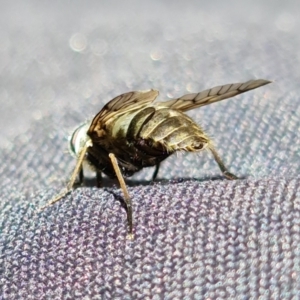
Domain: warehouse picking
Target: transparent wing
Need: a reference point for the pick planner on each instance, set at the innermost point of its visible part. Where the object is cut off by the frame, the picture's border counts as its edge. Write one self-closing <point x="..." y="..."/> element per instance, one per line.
<point x="124" y="103"/>
<point x="218" y="93"/>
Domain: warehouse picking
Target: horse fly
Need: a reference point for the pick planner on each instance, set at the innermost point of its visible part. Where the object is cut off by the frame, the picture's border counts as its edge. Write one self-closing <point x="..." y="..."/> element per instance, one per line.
<point x="131" y="133"/>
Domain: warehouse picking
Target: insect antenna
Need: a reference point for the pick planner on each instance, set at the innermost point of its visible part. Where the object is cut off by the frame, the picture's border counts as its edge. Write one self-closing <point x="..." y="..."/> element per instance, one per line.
<point x="125" y="192"/>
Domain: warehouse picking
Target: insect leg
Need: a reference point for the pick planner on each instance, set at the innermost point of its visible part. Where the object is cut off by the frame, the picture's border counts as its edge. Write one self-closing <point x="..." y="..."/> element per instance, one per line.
<point x="72" y="180"/>
<point x="125" y="192"/>
<point x="80" y="176"/>
<point x="155" y="172"/>
<point x="221" y="165"/>
<point x="99" y="178"/>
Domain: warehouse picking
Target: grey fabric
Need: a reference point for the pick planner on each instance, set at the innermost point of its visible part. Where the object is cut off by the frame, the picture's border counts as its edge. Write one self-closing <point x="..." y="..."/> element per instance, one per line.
<point x="197" y="235"/>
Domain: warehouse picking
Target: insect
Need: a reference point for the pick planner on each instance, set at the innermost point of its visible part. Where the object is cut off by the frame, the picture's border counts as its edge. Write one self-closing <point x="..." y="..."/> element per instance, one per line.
<point x="131" y="133"/>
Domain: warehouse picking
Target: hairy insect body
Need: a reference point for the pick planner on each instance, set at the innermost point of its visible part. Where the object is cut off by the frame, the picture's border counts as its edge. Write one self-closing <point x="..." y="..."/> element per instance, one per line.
<point x="144" y="139"/>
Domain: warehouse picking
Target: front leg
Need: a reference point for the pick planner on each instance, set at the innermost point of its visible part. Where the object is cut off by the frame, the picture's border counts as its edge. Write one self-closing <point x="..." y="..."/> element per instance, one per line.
<point x="77" y="171"/>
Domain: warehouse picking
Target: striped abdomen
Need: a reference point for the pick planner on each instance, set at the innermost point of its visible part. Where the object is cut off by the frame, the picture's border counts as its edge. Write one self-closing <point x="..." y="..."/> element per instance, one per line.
<point x="145" y="138"/>
<point x="166" y="128"/>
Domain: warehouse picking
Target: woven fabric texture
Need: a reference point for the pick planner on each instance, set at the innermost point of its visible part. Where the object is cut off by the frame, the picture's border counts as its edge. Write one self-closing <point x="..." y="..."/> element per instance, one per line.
<point x="197" y="235"/>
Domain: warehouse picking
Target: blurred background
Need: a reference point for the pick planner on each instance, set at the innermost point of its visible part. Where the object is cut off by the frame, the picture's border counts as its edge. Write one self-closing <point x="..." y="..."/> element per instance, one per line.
<point x="60" y="62"/>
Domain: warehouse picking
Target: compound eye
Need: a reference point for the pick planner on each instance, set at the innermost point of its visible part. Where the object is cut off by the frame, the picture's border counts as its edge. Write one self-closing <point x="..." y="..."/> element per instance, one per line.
<point x="75" y="139"/>
<point x="78" y="139"/>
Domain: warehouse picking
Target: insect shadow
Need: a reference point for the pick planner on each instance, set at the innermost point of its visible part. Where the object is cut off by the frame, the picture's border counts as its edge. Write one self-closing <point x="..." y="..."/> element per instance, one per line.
<point x="109" y="183"/>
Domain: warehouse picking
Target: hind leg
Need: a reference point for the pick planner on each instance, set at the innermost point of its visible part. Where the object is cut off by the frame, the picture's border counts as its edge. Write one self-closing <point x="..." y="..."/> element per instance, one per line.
<point x="221" y="165"/>
<point x="199" y="142"/>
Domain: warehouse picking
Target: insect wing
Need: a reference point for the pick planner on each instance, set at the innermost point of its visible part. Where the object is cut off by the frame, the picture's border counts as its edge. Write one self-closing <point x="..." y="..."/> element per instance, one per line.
<point x="215" y="94"/>
<point x="124" y="103"/>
